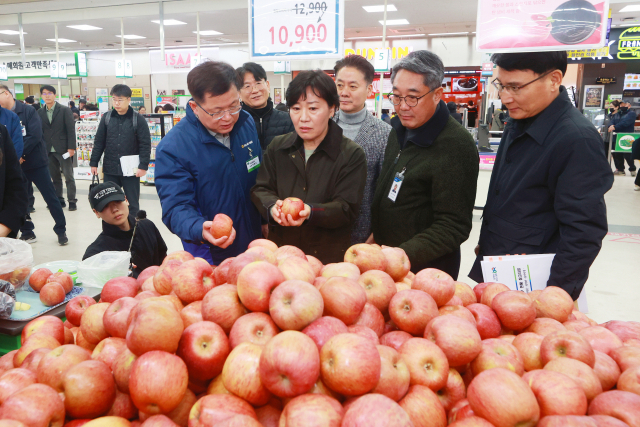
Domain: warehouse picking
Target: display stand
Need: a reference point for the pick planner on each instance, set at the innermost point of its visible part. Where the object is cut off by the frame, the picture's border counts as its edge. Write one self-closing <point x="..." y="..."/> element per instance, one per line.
<point x="159" y="126"/>
<point x="85" y="137"/>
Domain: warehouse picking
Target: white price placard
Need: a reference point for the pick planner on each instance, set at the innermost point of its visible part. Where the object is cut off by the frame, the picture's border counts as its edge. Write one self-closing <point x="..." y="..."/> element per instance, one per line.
<point x="291" y="29"/>
<point x="3" y="72"/>
<point x="120" y="68"/>
<point x="128" y="68"/>
<point x="55" y="71"/>
<point x="381" y="60"/>
<point x="62" y="67"/>
<point x="282" y="67"/>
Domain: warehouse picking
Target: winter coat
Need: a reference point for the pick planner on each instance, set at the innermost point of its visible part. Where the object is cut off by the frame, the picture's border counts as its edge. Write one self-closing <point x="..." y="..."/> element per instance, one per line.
<point x="11" y="120"/>
<point x="35" y="151"/>
<point x="13" y="186"/>
<point x="624" y="123"/>
<point x="270" y="124"/>
<point x="61" y="132"/>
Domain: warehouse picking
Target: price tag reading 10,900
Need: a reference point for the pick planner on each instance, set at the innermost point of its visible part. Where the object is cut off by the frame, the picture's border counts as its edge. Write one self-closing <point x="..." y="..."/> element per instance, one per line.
<point x="296" y="29"/>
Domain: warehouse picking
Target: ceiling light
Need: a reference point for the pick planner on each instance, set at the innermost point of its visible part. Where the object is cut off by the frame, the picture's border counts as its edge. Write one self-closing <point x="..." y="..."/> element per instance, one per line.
<point x="406" y="35"/>
<point x="130" y="36"/>
<point x="380" y="8"/>
<point x="362" y="38"/>
<point x="11" y="32"/>
<point x="6" y="44"/>
<point x="170" y="22"/>
<point x="84" y="27"/>
<point x="62" y="40"/>
<point x="631" y="8"/>
<point x="208" y="33"/>
<point x="395" y="22"/>
<point x="449" y="34"/>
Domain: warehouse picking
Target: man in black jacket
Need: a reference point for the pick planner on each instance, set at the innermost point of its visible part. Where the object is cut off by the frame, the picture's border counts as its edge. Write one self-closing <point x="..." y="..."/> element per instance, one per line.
<point x="59" y="132"/>
<point x="256" y="101"/>
<point x="13" y="190"/>
<point x="122" y="133"/>
<point x="550" y="175"/>
<point x="110" y="204"/>
<point x="35" y="166"/>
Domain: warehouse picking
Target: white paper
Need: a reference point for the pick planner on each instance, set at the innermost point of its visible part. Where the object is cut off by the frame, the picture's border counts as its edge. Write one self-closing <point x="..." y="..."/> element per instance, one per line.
<point x="129" y="165"/>
<point x="66" y="155"/>
<point x="524" y="273"/>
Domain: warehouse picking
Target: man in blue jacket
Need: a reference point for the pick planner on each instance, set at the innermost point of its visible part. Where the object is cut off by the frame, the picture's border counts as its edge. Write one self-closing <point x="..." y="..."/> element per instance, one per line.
<point x="208" y="163"/>
<point x="35" y="165"/>
<point x="624" y="122"/>
<point x="12" y="123"/>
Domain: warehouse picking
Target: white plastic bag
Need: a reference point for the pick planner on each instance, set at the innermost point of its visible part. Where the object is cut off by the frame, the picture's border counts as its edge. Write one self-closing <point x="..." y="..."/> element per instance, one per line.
<point x="16" y="260"/>
<point x="97" y="270"/>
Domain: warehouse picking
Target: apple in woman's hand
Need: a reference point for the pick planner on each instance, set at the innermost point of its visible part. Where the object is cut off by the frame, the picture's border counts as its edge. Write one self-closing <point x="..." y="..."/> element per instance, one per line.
<point x="221" y="226"/>
<point x="292" y="206"/>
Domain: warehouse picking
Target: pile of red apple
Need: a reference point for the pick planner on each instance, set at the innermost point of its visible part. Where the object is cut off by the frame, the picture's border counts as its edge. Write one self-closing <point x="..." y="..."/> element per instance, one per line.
<point x="53" y="287"/>
<point x="273" y="338"/>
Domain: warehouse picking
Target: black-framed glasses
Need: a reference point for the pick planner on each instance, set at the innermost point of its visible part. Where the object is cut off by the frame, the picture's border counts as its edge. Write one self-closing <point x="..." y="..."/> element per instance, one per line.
<point x="410" y="100"/>
<point x="512" y="89"/>
<point x="250" y="86"/>
<point x="219" y="115"/>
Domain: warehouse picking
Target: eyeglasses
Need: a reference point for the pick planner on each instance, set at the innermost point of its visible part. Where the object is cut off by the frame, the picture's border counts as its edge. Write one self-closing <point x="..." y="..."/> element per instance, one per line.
<point x="119" y="100"/>
<point x="217" y="116"/>
<point x="513" y="90"/>
<point x="410" y="100"/>
<point x="257" y="85"/>
<point x="48" y="94"/>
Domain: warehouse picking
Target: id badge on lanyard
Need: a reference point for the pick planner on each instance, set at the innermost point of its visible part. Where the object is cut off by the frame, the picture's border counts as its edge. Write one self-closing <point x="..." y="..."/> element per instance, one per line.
<point x="396" y="185"/>
<point x="253" y="163"/>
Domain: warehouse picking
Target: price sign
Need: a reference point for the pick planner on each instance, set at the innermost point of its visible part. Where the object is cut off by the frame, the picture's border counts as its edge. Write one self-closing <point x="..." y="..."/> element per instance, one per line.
<point x="128" y="68"/>
<point x="381" y="60"/>
<point x="3" y="72"/>
<point x="62" y="70"/>
<point x="294" y="29"/>
<point x="120" y="68"/>
<point x="282" y="67"/>
<point x="55" y="71"/>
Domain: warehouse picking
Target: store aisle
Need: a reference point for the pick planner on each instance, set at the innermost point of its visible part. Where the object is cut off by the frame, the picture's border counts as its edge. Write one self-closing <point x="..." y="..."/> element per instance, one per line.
<point x="613" y="289"/>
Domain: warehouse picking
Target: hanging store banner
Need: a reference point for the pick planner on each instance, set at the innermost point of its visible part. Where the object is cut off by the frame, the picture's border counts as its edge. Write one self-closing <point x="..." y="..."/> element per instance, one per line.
<point x="290" y="29"/>
<point x="540" y="25"/>
<point x="37" y="65"/>
<point x="180" y="60"/>
<point x="3" y="73"/>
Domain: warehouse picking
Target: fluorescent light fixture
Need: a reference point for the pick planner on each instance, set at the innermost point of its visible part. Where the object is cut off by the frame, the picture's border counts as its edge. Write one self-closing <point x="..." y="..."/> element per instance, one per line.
<point x="208" y="33"/>
<point x="631" y="8"/>
<point x="130" y="36"/>
<point x="395" y="22"/>
<point x="449" y="34"/>
<point x="406" y="35"/>
<point x="380" y="8"/>
<point x="11" y="32"/>
<point x="170" y="22"/>
<point x="363" y="38"/>
<point x="62" y="41"/>
<point x="84" y="27"/>
<point x="6" y="44"/>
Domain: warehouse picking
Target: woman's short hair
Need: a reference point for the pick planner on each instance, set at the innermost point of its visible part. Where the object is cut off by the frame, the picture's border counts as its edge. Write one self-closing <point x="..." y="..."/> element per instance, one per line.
<point x="320" y="84"/>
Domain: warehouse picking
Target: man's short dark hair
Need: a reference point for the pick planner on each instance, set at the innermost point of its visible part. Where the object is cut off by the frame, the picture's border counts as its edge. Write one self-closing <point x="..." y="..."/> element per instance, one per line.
<point x="251" y="67"/>
<point x="320" y="84"/>
<point x="168" y="107"/>
<point x="213" y="78"/>
<point x="72" y="104"/>
<point x="82" y="101"/>
<point x="359" y="63"/>
<point x="29" y="99"/>
<point x="616" y="103"/>
<point x="121" y="90"/>
<point x="49" y="88"/>
<point x="538" y="62"/>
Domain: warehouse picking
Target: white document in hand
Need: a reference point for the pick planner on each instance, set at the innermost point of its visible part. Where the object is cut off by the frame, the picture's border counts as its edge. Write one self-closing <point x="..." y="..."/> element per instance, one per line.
<point x="129" y="164"/>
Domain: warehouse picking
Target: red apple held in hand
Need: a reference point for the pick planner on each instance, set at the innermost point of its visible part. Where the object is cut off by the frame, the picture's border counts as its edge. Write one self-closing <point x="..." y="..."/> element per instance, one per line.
<point x="491" y="291"/>
<point x="46" y="325"/>
<point x="323" y="329"/>
<point x="557" y="394"/>
<point x="192" y="280"/>
<point x="192" y="313"/>
<point x="395" y="339"/>
<point x="221" y="226"/>
<point x="514" y="309"/>
<point x="458" y="338"/>
<point x="76" y="307"/>
<point x="487" y="321"/>
<point x="204" y="347"/>
<point x="64" y="279"/>
<point x="497" y="353"/>
<point x="221" y="305"/>
<point x="122" y="366"/>
<point x="115" y="319"/>
<point x="343" y="298"/>
<point x="341" y="269"/>
<point x="34" y="342"/>
<point x="156" y="325"/>
<point x="212" y="409"/>
<point x="119" y="287"/>
<point x="436" y="283"/>
<point x="39" y="278"/>
<point x="580" y="372"/>
<point x="92" y="324"/>
<point x="503" y="398"/>
<point x="366" y="257"/>
<point x="263" y="243"/>
<point x="394" y="374"/>
<point x="350" y="364"/>
<point x="108" y="350"/>
<point x="622" y="405"/>
<point x="465" y="293"/>
<point x="57" y="362"/>
<point x="412" y="310"/>
<point x="379" y="287"/>
<point x="601" y="339"/>
<point x="566" y="344"/>
<point x="89" y="389"/>
<point x="52" y="294"/>
<point x="256" y="281"/>
<point x="312" y="410"/>
<point x="398" y="264"/>
<point x="294" y="268"/>
<point x="295" y="304"/>
<point x="453" y="392"/>
<point x="292" y="206"/>
<point x="37" y="405"/>
<point x="554" y="302"/>
<point x="162" y="279"/>
<point x="423" y="407"/>
<point x="607" y="370"/>
<point x="15" y="380"/>
<point x="256" y="328"/>
<point x="528" y="345"/>
<point x="375" y="410"/>
<point x="427" y="363"/>
<point x="241" y="377"/>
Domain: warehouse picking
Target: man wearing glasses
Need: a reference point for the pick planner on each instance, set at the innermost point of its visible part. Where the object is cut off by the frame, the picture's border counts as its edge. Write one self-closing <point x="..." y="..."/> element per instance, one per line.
<point x="207" y="165"/>
<point x="122" y="132"/>
<point x="59" y="131"/>
<point x="550" y="174"/>
<point x="424" y="198"/>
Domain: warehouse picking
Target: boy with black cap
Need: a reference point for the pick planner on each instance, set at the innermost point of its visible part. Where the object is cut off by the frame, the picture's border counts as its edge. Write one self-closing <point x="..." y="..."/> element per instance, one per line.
<point x="119" y="229"/>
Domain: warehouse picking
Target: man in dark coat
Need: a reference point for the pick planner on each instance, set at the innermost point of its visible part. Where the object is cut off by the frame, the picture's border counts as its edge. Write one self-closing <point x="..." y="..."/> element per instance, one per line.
<point x="13" y="190"/>
<point x="550" y="175"/>
<point x="122" y="132"/>
<point x="452" y="107"/>
<point x="59" y="131"/>
<point x="623" y="122"/>
<point x="255" y="91"/>
<point x="35" y="166"/>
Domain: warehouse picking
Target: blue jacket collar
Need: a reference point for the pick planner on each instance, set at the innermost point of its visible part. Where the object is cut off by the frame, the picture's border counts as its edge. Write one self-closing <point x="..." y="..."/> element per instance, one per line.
<point x="205" y="136"/>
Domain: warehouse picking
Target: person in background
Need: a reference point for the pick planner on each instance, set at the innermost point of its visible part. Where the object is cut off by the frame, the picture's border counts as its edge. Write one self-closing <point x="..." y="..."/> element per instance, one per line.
<point x="257" y="102"/>
<point x="72" y="106"/>
<point x="623" y="120"/>
<point x="110" y="204"/>
<point x="158" y="109"/>
<point x="472" y="113"/>
<point x="13" y="189"/>
<point x="12" y="122"/>
<point x="385" y="116"/>
<point x="316" y="164"/>
<point x="452" y="107"/>
<point x="59" y="133"/>
<point x="546" y="194"/>
<point x="282" y="107"/>
<point x="496" y="120"/>
<point x="30" y="100"/>
<point x="35" y="166"/>
<point x="119" y="136"/>
<point x="427" y="188"/>
<point x="82" y="104"/>
<point x="91" y="107"/>
<point x="208" y="163"/>
<point x="354" y="81"/>
<point x="168" y="107"/>
<point x="142" y="110"/>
